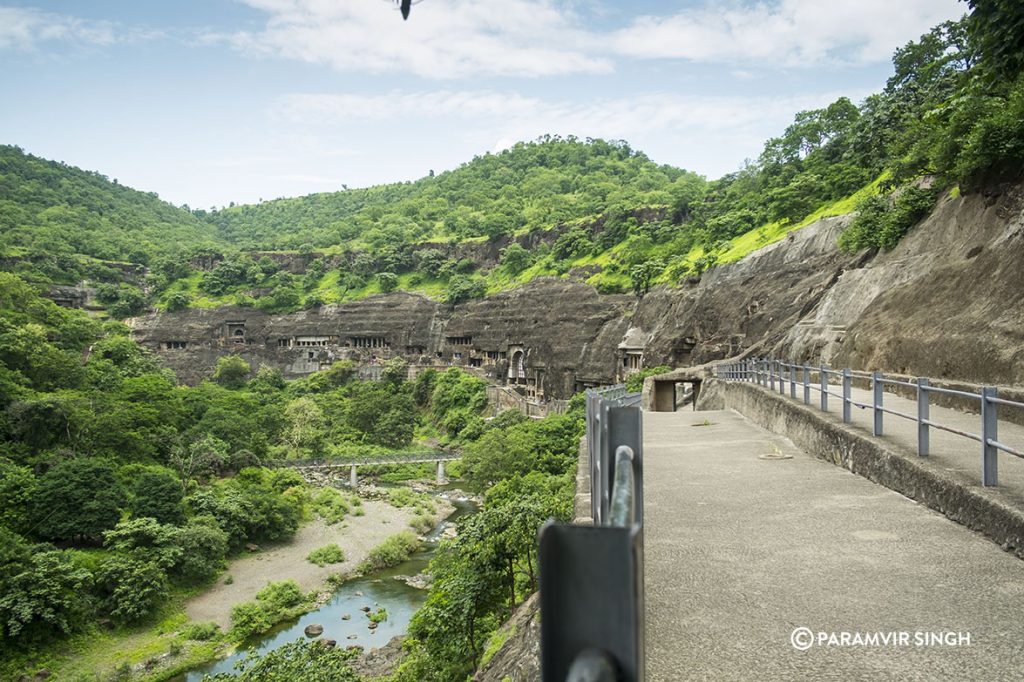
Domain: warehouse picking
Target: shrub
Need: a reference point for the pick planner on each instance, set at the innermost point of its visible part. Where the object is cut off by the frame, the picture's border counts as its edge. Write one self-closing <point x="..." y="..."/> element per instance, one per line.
<point x="881" y="222"/>
<point x="328" y="554"/>
<point x="200" y="632"/>
<point x="274" y="603"/>
<point x="391" y="552"/>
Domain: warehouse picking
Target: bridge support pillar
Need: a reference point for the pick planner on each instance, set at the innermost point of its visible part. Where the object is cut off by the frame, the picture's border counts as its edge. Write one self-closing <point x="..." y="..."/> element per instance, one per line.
<point x="440" y="472"/>
<point x="352" y="480"/>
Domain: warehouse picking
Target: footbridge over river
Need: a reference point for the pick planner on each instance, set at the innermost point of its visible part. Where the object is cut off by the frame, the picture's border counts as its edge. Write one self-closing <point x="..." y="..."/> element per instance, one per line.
<point x="761" y="538"/>
<point x="328" y="466"/>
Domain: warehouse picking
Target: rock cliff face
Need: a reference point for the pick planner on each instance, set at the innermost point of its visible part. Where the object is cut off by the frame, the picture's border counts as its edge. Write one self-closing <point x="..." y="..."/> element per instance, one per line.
<point x="550" y="337"/>
<point x="948" y="301"/>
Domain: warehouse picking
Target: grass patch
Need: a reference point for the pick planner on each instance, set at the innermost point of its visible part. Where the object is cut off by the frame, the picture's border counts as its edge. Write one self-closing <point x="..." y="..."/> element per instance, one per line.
<point x="495" y="642"/>
<point x="328" y="554"/>
<point x="332" y="505"/>
<point x="391" y="552"/>
<point x="98" y="654"/>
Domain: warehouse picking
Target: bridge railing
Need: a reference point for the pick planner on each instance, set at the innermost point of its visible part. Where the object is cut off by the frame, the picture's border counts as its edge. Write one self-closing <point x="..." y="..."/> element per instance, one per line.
<point x="591" y="576"/>
<point x="396" y="458"/>
<point x="772" y="372"/>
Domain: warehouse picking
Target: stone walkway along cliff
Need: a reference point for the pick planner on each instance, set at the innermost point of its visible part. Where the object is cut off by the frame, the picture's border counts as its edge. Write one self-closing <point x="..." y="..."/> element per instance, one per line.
<point x="742" y="547"/>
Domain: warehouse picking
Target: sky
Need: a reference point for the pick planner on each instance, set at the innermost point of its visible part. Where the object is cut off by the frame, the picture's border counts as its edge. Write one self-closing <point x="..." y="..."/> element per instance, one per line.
<point x="208" y="102"/>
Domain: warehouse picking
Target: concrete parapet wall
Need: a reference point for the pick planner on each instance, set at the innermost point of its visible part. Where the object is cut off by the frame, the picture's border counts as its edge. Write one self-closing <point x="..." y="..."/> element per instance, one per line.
<point x="986" y="510"/>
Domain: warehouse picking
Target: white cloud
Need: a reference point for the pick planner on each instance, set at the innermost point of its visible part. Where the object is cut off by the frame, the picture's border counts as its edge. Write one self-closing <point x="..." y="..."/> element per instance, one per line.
<point x="23" y="28"/>
<point x="444" y="38"/>
<point x="785" y="32"/>
<point x="734" y="126"/>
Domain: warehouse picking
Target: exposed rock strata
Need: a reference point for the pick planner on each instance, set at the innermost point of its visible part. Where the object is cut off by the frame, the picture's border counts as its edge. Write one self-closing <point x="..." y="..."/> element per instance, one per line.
<point x="948" y="301"/>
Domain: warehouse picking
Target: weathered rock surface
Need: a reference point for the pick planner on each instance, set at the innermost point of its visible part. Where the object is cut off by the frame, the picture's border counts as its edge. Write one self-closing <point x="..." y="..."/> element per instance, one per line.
<point x="380" y="661"/>
<point x="518" y="660"/>
<point x="314" y="630"/>
<point x="565" y="334"/>
<point x="948" y="301"/>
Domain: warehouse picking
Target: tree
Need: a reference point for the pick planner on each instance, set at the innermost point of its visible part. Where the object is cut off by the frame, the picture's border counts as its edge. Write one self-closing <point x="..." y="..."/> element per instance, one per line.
<point x="515" y="259"/>
<point x="423" y="386"/>
<point x="462" y="288"/>
<point x="41" y="594"/>
<point x="231" y="371"/>
<point x="298" y="660"/>
<point x="643" y="274"/>
<point x="997" y="26"/>
<point x="204" y="546"/>
<point x="130" y="588"/>
<point x="199" y="459"/>
<point x="395" y="371"/>
<point x="77" y="499"/>
<point x="145" y="540"/>
<point x="17" y="489"/>
<point x="305" y="425"/>
<point x="267" y="380"/>
<point x="387" y="281"/>
<point x="430" y="261"/>
<point x="157" y="494"/>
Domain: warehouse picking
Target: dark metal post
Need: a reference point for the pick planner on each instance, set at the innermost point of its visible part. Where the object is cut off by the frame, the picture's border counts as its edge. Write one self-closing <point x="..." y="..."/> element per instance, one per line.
<point x="989" y="434"/>
<point x="807" y="384"/>
<point x="922" y="417"/>
<point x="771" y="374"/>
<point x="823" y="380"/>
<point x="847" y="385"/>
<point x="876" y="402"/>
<point x="792" y="381"/>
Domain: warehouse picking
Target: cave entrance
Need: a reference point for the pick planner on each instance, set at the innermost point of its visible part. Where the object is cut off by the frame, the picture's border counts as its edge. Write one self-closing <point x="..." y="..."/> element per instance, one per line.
<point x="517" y="368"/>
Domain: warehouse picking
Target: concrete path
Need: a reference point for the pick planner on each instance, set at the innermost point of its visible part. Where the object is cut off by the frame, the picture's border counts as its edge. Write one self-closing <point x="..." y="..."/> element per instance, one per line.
<point x="741" y="550"/>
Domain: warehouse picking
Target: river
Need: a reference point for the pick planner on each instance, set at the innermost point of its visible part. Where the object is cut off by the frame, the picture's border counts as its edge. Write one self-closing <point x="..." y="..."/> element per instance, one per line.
<point x="378" y="590"/>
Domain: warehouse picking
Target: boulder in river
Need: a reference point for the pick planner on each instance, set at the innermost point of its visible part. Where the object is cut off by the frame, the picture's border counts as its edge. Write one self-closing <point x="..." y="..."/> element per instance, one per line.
<point x="314" y="630"/>
<point x="347" y="616"/>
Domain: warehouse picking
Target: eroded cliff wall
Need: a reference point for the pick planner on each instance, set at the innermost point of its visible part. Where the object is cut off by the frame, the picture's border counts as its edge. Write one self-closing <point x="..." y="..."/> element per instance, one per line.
<point x="947" y="301"/>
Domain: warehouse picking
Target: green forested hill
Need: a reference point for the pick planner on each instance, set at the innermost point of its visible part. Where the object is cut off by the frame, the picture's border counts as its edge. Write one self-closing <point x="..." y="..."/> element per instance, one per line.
<point x="54" y="210"/>
<point x="532" y="186"/>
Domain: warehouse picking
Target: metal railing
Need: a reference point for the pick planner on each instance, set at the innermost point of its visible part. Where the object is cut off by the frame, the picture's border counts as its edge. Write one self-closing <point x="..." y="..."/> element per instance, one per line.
<point x="591" y="577"/>
<point x="772" y="373"/>
<point x="369" y="460"/>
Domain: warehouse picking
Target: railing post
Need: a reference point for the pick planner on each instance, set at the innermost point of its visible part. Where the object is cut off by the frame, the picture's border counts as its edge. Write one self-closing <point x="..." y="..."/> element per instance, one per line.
<point x="847" y="385"/>
<point x="782" y="378"/>
<point x="807" y="384"/>
<point x="989" y="432"/>
<point x="876" y="402"/>
<point x="823" y="380"/>
<point x="922" y="417"/>
<point x="771" y="374"/>
<point x="764" y="372"/>
<point x="792" y="381"/>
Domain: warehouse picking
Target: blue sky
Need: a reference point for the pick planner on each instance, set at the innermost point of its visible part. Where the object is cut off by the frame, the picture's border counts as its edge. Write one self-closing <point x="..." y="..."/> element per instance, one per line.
<point x="211" y="101"/>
